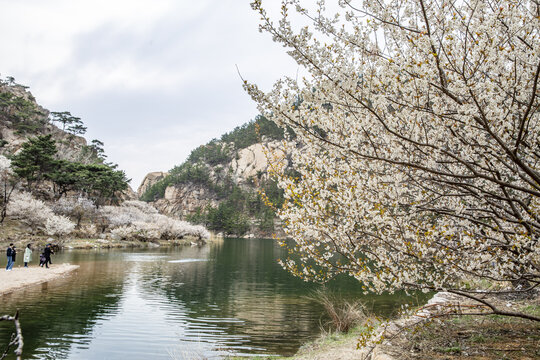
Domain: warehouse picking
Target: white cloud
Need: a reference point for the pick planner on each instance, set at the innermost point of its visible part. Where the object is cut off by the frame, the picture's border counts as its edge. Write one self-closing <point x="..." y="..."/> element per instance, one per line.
<point x="154" y="72"/>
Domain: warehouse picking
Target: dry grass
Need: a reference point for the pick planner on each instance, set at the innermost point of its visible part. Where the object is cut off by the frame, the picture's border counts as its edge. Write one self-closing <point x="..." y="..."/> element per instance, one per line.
<point x="473" y="337"/>
<point x="343" y="315"/>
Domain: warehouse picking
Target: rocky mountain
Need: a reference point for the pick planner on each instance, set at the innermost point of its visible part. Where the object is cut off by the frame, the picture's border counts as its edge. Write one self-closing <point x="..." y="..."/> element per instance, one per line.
<point x="219" y="184"/>
<point x="22" y="118"/>
<point x="149" y="180"/>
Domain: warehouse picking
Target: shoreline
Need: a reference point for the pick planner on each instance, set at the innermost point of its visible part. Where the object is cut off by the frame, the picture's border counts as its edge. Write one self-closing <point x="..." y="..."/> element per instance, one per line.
<point x="396" y="339"/>
<point x="21" y="277"/>
<point x="97" y="243"/>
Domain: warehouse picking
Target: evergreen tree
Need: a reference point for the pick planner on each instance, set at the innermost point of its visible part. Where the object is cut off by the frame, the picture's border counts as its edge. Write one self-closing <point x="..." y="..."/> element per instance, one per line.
<point x="36" y="159"/>
<point x="66" y="176"/>
<point x="76" y="128"/>
<point x="102" y="182"/>
<point x="72" y="123"/>
<point x="97" y="147"/>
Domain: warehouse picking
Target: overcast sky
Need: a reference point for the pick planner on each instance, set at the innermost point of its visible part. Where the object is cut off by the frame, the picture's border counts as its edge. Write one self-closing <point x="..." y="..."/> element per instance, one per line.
<point x="152" y="79"/>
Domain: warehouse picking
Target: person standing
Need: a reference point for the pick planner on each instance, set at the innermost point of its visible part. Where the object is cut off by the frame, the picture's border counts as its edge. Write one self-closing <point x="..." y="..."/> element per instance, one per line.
<point x="9" y="254"/>
<point x="27" y="255"/>
<point x="47" y="252"/>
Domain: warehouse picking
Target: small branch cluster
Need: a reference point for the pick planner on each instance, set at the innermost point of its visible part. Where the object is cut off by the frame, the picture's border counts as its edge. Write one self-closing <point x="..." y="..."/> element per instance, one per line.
<point x="16" y="337"/>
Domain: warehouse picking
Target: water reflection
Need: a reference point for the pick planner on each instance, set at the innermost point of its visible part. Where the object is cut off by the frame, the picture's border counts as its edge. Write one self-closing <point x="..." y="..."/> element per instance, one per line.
<point x="230" y="297"/>
<point x="56" y="315"/>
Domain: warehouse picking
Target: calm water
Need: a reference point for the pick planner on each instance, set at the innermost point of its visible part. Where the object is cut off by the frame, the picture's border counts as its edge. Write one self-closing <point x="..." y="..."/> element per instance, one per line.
<point x="178" y="303"/>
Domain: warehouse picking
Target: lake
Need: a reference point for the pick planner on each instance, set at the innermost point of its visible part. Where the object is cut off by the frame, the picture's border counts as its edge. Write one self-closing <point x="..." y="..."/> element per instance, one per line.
<point x="229" y="297"/>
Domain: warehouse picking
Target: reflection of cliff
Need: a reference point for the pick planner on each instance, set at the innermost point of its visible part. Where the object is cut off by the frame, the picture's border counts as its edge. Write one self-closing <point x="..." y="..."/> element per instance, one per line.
<point x="58" y="314"/>
<point x="244" y="292"/>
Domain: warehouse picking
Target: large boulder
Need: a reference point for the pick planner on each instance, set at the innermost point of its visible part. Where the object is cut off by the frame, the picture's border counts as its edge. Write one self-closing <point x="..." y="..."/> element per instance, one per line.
<point x="184" y="199"/>
<point x="149" y="180"/>
<point x="253" y="161"/>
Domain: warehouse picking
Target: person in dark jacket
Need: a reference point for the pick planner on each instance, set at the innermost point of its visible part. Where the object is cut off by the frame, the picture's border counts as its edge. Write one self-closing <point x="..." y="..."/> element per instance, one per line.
<point x="10" y="253"/>
<point x="47" y="252"/>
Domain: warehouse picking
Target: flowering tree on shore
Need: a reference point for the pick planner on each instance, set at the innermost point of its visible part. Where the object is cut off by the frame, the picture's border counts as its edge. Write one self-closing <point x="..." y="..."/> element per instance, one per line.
<point x="59" y="225"/>
<point x="33" y="212"/>
<point x="38" y="215"/>
<point x="419" y="143"/>
<point x="77" y="207"/>
<point x="140" y="220"/>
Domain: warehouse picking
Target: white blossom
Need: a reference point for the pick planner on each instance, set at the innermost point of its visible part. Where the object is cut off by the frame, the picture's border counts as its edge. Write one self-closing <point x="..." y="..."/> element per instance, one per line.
<point x="58" y="225"/>
<point x="5" y="167"/>
<point x="139" y="220"/>
<point x="32" y="211"/>
<point x="417" y="134"/>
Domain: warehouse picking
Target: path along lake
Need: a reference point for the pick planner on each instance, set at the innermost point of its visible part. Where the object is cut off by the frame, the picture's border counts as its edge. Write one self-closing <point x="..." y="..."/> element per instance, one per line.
<point x="229" y="297"/>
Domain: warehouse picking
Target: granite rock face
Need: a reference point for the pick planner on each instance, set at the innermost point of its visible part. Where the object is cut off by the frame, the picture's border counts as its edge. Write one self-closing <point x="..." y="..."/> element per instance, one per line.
<point x="254" y="160"/>
<point x="247" y="168"/>
<point x="183" y="200"/>
<point x="69" y="146"/>
<point x="149" y="180"/>
<point x="12" y="135"/>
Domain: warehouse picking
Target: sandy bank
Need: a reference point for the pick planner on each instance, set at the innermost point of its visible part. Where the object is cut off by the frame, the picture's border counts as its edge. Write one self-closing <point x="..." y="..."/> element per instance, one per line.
<point x="21" y="277"/>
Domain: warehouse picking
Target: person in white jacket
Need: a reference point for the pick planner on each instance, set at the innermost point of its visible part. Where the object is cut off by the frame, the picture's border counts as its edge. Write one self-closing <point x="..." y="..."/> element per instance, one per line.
<point x="27" y="255"/>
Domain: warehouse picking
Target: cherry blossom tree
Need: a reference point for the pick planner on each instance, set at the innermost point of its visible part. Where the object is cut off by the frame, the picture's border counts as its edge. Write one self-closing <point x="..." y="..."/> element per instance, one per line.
<point x="38" y="215"/>
<point x="418" y="149"/>
<point x="58" y="225"/>
<point x="140" y="220"/>
<point x="34" y="212"/>
<point x="76" y="207"/>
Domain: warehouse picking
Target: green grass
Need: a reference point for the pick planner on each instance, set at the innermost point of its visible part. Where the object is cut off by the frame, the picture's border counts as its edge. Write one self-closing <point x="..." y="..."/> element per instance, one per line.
<point x="451" y="350"/>
<point x="532" y="310"/>
<point x="478" y="339"/>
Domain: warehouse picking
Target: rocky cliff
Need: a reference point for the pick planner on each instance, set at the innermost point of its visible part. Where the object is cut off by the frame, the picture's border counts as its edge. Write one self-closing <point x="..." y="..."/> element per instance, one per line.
<point x="253" y="161"/>
<point x="219" y="184"/>
<point x="149" y="180"/>
<point x="184" y="200"/>
<point x="22" y="117"/>
<point x="247" y="170"/>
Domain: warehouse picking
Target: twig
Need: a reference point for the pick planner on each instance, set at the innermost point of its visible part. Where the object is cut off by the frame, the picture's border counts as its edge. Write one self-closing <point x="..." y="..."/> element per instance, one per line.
<point x="496" y="311"/>
<point x="16" y="337"/>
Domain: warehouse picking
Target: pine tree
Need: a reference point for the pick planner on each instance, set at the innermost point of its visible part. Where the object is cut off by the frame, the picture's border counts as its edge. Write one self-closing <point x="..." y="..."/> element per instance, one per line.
<point x="36" y="159"/>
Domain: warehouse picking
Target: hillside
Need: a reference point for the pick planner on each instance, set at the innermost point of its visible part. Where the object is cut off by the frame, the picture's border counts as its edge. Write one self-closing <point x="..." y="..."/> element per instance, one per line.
<point x="219" y="184"/>
<point x="21" y="117"/>
<point x="56" y="184"/>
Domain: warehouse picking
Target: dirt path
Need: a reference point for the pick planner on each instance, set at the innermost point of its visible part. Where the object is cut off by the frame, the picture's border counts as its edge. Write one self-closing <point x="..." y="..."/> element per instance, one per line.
<point x="21" y="277"/>
<point x="342" y="351"/>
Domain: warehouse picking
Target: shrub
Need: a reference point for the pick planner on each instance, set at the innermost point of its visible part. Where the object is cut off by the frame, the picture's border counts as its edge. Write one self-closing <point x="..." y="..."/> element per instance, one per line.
<point x="343" y="315"/>
<point x="139" y="220"/>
